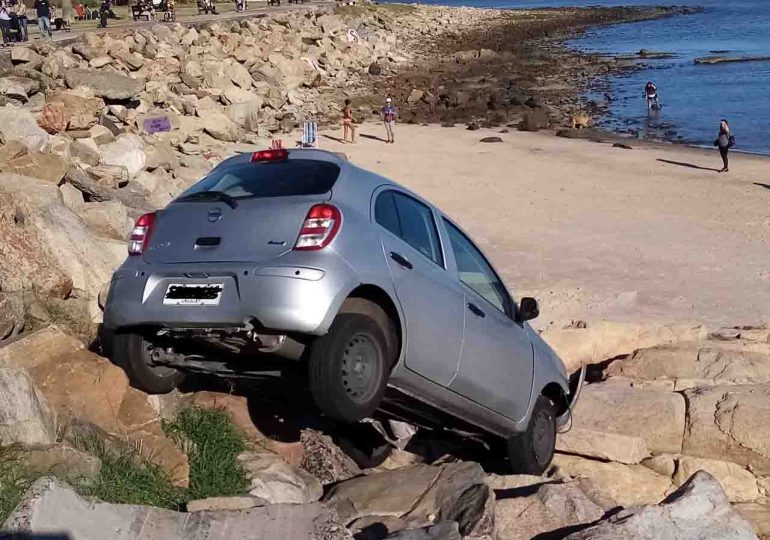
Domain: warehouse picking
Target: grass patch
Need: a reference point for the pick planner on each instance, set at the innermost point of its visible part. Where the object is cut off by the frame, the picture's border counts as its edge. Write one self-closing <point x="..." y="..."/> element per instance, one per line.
<point x="212" y="442"/>
<point x="128" y="478"/>
<point x="208" y="436"/>
<point x="14" y="481"/>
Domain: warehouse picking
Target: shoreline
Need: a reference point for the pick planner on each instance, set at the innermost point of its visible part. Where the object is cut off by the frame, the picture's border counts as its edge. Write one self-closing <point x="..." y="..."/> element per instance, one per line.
<point x="499" y="67"/>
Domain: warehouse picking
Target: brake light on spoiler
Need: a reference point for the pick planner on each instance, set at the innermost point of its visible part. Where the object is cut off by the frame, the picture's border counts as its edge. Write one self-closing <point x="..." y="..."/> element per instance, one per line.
<point x="321" y="225"/>
<point x="266" y="156"/>
<point x="141" y="234"/>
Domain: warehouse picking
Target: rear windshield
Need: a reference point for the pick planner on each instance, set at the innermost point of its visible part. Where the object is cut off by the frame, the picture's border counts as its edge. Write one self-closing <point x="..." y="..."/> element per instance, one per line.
<point x="281" y="179"/>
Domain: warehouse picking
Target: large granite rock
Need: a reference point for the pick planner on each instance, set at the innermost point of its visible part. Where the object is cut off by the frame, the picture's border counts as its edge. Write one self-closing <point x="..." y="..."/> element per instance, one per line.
<point x="602" y="445"/>
<point x="739" y="484"/>
<point x="707" y="362"/>
<point x="81" y="387"/>
<point x="417" y="497"/>
<point x="553" y="506"/>
<point x="598" y="341"/>
<point x="275" y="481"/>
<point x="52" y="507"/>
<point x="60" y="238"/>
<point x="609" y="482"/>
<point x="699" y="510"/>
<point x="730" y="423"/>
<point x="108" y="85"/>
<point x="19" y="124"/>
<point x="127" y="152"/>
<point x="656" y="416"/>
<point x="25" y="416"/>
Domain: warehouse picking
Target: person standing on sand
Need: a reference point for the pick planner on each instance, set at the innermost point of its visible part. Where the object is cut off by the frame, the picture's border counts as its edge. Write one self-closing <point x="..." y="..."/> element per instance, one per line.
<point x="5" y="23"/>
<point x="21" y="13"/>
<point x="43" y="11"/>
<point x="348" y="123"/>
<point x="389" y="114"/>
<point x="724" y="142"/>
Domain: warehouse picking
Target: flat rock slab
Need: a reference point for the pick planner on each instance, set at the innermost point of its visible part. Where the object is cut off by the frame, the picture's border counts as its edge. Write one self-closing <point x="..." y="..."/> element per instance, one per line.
<point x="607" y="482"/>
<point x="712" y="362"/>
<point x="699" y="510"/>
<point x="105" y="84"/>
<point x="656" y="416"/>
<point x="416" y="497"/>
<point x="52" y="507"/>
<point x="730" y="423"/>
<point x="607" y="446"/>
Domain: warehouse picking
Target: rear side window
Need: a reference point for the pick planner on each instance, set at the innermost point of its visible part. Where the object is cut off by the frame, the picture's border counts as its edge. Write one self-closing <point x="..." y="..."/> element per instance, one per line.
<point x="411" y="221"/>
<point x="281" y="179"/>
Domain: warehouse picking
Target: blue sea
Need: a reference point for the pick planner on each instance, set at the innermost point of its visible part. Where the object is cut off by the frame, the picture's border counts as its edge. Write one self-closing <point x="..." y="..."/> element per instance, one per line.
<point x="694" y="97"/>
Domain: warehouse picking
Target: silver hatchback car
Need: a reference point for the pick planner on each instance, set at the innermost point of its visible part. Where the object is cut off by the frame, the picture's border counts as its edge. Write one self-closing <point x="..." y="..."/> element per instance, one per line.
<point x="298" y="255"/>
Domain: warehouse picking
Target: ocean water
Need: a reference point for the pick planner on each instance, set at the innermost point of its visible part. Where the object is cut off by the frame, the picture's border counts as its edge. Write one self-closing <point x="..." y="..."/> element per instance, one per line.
<point x="694" y="97"/>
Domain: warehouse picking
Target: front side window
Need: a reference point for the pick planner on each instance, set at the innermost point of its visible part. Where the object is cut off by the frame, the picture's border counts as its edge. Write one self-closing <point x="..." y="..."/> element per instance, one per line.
<point x="476" y="272"/>
<point x="411" y="221"/>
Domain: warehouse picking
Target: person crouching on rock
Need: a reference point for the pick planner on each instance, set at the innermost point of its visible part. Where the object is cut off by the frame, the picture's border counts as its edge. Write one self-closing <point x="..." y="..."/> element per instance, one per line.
<point x="389" y="113"/>
<point x="724" y="142"/>
<point x="348" y="123"/>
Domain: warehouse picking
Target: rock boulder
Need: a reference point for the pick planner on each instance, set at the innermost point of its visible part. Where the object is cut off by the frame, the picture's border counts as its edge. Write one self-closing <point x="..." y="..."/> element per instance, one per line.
<point x="699" y="510"/>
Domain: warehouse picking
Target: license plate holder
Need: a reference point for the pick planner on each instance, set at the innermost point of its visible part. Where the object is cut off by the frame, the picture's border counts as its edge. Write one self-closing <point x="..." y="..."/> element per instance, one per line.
<point x="193" y="294"/>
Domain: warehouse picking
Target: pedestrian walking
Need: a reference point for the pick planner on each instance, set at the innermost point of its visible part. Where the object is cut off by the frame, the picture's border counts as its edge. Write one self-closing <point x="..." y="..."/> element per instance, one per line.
<point x="348" y="123"/>
<point x="43" y="11"/>
<point x="725" y="141"/>
<point x="5" y="23"/>
<point x="21" y="14"/>
<point x="389" y="114"/>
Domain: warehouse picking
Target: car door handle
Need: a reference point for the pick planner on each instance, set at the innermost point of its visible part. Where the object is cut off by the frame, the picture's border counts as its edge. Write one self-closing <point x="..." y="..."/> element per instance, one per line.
<point x="400" y="259"/>
<point x="476" y="310"/>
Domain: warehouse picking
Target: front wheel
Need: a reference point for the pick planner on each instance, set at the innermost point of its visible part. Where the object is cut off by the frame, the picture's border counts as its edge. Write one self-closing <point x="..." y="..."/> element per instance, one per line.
<point x="531" y="451"/>
<point x="133" y="353"/>
<point x="349" y="367"/>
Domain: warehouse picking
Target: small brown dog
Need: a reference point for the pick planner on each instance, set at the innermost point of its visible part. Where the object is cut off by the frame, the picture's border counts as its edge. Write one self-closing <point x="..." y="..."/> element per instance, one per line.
<point x="580" y="121"/>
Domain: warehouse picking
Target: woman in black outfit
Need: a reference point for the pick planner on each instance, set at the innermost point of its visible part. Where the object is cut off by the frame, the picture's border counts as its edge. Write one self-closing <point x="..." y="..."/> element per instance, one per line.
<point x="725" y="141"/>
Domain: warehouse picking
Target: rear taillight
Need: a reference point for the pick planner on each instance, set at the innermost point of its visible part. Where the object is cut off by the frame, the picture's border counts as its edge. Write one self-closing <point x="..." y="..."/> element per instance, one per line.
<point x="321" y="225"/>
<point x="264" y="156"/>
<point x="140" y="236"/>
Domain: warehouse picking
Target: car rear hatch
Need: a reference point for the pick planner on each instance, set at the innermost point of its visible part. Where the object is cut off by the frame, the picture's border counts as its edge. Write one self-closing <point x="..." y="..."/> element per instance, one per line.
<point x="242" y="211"/>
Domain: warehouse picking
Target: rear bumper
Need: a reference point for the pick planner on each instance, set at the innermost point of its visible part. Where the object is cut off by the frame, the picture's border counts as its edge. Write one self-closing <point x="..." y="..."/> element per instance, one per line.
<point x="284" y="298"/>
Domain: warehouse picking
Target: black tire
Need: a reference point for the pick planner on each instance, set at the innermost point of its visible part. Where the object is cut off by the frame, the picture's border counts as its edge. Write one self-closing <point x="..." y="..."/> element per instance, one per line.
<point x="531" y="452"/>
<point x="366" y="458"/>
<point x="132" y="353"/>
<point x="348" y="368"/>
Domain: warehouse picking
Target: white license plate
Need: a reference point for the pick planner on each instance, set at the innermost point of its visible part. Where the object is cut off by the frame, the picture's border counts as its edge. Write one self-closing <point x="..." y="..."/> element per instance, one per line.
<point x="193" y="294"/>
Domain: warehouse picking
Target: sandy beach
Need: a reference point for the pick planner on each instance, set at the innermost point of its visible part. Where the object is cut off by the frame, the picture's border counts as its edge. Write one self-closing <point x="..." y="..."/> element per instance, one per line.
<point x="596" y="232"/>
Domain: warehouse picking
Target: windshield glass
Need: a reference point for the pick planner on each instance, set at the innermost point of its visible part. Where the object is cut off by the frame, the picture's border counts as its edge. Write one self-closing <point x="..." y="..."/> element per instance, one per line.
<point x="280" y="179"/>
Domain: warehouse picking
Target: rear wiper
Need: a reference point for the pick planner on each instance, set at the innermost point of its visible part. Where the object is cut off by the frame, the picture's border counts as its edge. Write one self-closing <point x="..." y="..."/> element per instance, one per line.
<point x="211" y="196"/>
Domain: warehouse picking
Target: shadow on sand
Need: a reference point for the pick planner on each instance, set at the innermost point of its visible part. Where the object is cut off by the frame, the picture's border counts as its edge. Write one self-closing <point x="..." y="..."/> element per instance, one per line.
<point x="689" y="165"/>
<point x="760" y="184"/>
<point x="373" y="137"/>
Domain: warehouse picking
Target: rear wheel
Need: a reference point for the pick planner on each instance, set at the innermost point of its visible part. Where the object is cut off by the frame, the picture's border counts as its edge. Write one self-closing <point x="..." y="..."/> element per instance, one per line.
<point x="349" y="366"/>
<point x="133" y="353"/>
<point x="531" y="451"/>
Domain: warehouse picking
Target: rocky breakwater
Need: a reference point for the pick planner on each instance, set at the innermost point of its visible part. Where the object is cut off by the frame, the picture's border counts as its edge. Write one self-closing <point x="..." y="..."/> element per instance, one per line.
<point x="668" y="442"/>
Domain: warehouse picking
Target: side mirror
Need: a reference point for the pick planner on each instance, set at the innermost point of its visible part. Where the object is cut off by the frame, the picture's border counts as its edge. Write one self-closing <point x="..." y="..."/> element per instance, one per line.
<point x="528" y="309"/>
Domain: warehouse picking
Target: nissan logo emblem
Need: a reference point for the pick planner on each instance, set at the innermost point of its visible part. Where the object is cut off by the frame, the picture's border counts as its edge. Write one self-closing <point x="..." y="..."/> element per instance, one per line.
<point x="215" y="215"/>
